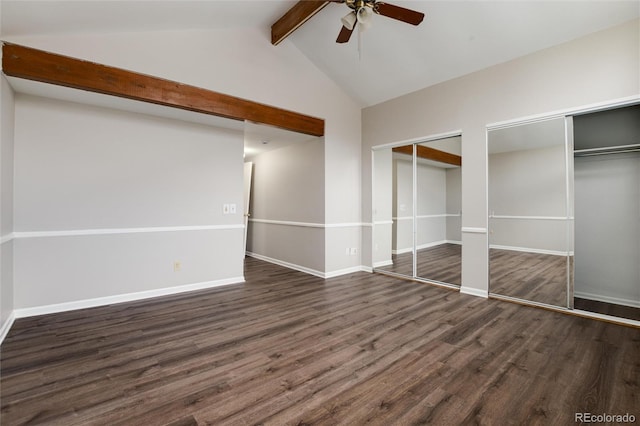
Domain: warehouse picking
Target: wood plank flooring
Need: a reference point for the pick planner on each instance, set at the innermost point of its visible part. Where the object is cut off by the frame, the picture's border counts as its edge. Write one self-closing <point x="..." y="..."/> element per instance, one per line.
<point x="441" y="263"/>
<point x="530" y="276"/>
<point x="289" y="348"/>
<point x="620" y="311"/>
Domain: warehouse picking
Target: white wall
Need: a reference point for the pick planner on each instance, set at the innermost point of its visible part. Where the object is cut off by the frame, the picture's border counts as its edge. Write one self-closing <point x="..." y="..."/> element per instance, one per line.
<point x="454" y="204"/>
<point x="108" y="174"/>
<point x="432" y="195"/>
<point x="529" y="183"/>
<point x="607" y="242"/>
<point x="6" y="204"/>
<point x="383" y="207"/>
<point x="438" y="200"/>
<point x="242" y="62"/>
<point x="596" y="68"/>
<point x="402" y="204"/>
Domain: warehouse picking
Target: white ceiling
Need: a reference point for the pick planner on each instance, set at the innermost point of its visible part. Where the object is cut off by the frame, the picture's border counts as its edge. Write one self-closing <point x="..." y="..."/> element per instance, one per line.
<point x="391" y="59"/>
<point x="456" y="37"/>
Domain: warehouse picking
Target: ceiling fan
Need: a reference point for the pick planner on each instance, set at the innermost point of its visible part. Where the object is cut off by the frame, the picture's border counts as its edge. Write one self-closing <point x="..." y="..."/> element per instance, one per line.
<point x="361" y="13"/>
<point x="363" y="10"/>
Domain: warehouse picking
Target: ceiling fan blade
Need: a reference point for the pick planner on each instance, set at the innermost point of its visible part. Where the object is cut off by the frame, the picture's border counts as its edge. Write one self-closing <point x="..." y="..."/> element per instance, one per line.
<point x="345" y="35"/>
<point x="400" y="13"/>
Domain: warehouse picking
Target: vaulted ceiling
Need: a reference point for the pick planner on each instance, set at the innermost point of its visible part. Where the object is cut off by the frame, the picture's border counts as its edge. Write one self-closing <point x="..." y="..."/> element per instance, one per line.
<point x="388" y="60"/>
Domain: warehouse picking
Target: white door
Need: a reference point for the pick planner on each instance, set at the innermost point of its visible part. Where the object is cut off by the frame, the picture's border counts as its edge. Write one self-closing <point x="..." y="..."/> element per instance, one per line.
<point x="248" y="168"/>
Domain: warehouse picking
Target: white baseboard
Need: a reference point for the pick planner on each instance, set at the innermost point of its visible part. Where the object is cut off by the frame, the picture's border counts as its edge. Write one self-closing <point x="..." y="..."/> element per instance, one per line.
<point x="339" y="272"/>
<point x="607" y="299"/>
<point x="122" y="298"/>
<point x="474" y="292"/>
<point x="383" y="263"/>
<point x="530" y="250"/>
<point x="286" y="264"/>
<point x="314" y="272"/>
<point x="4" y="330"/>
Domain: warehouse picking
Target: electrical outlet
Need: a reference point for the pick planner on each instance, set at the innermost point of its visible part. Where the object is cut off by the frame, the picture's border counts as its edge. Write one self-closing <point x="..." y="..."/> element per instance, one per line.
<point x="177" y="266"/>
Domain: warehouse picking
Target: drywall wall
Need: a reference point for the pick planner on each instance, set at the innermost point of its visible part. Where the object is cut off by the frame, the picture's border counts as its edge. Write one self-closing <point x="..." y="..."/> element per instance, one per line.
<point x="402" y="205"/>
<point x="597" y="68"/>
<point x="438" y="198"/>
<point x="454" y="204"/>
<point x="287" y="206"/>
<point x="6" y="203"/>
<point x="242" y="62"/>
<point x="107" y="201"/>
<point x="607" y="228"/>
<point x="525" y="184"/>
<point x="382" y="225"/>
<point x="431" y="205"/>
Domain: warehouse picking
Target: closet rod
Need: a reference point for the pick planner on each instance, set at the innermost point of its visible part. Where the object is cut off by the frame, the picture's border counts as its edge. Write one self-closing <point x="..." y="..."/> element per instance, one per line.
<point x="607" y="150"/>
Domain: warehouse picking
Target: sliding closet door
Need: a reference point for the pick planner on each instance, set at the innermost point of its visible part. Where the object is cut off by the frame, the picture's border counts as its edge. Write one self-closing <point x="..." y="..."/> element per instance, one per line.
<point x="530" y="212"/>
<point x="393" y="211"/>
<point x="417" y="210"/>
<point x="438" y="211"/>
<point x="403" y="220"/>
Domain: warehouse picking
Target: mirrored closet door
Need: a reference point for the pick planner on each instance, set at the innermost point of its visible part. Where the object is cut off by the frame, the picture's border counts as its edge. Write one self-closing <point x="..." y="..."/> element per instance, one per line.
<point x="438" y="215"/>
<point x="416" y="210"/>
<point x="530" y="212"/>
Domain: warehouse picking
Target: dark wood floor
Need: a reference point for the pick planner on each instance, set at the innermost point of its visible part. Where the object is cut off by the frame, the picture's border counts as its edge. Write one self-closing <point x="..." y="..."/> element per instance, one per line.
<point x="289" y="348"/>
<point x="442" y="263"/>
<point x="537" y="277"/>
<point x="616" y="310"/>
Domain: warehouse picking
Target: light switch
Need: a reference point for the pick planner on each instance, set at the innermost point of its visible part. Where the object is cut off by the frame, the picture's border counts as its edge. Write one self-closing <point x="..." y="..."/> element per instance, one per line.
<point x="232" y="208"/>
<point x="225" y="209"/>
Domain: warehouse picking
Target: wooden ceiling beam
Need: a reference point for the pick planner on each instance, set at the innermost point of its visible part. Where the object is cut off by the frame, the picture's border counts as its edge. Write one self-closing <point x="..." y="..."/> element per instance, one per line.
<point x="32" y="64"/>
<point x="430" y="154"/>
<point x="300" y="13"/>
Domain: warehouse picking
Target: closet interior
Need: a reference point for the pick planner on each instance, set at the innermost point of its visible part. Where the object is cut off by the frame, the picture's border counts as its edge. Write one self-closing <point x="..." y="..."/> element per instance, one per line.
<point x="607" y="212"/>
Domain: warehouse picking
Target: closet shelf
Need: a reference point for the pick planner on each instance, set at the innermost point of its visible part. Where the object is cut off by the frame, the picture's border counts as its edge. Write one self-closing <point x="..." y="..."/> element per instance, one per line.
<point x="607" y="150"/>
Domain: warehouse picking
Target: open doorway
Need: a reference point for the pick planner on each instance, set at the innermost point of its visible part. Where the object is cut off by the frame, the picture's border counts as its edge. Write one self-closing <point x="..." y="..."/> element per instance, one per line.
<point x="284" y="193"/>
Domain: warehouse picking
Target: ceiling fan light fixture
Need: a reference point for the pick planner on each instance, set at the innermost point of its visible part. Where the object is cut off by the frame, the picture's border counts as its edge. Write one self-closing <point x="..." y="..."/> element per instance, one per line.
<point x="364" y="17"/>
<point x="349" y="20"/>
